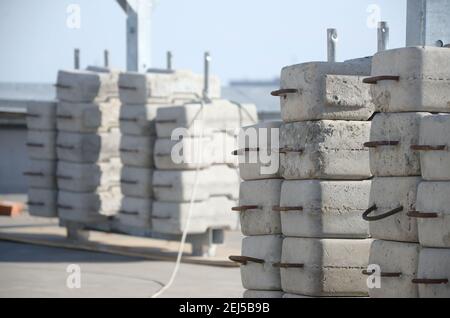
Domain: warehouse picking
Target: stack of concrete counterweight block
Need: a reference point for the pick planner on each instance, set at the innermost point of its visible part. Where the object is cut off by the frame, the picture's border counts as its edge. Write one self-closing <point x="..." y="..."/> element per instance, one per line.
<point x="305" y="235"/>
<point x="194" y="151"/>
<point x="409" y="204"/>
<point x="41" y="172"/>
<point x="142" y="95"/>
<point x="88" y="146"/>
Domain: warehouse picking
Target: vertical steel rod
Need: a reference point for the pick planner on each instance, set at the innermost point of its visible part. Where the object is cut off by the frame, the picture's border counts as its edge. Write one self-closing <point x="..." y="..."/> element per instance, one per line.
<point x="76" y="57"/>
<point x="206" y="75"/>
<point x="332" y="39"/>
<point x="106" y="58"/>
<point x="169" y="60"/>
<point x="383" y="36"/>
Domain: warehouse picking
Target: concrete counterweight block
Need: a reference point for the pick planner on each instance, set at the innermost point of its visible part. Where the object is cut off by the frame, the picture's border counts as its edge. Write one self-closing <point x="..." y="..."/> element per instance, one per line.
<point x="320" y="91"/>
<point x="398" y="263"/>
<point x="137" y="151"/>
<point x="411" y="79"/>
<point x="330" y="150"/>
<point x="259" y="255"/>
<point x="88" y="117"/>
<point x="391" y="138"/>
<point x="88" y="177"/>
<point x="171" y="217"/>
<point x="41" y="145"/>
<point x="83" y="86"/>
<point x="203" y="119"/>
<point x="324" y="209"/>
<point x="434" y="147"/>
<point x="433" y="214"/>
<point x="137" y="182"/>
<point x="41" y="115"/>
<point x="434" y="273"/>
<point x="261" y="294"/>
<point x="42" y="202"/>
<point x="139" y="120"/>
<point x="165" y="86"/>
<point x="324" y="267"/>
<point x="177" y="186"/>
<point x="391" y="200"/>
<point x="135" y="213"/>
<point x="257" y="200"/>
<point x="258" y="151"/>
<point x="41" y="174"/>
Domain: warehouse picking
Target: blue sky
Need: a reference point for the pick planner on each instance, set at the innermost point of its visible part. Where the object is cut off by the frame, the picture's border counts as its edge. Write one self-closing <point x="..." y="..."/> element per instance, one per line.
<point x="248" y="39"/>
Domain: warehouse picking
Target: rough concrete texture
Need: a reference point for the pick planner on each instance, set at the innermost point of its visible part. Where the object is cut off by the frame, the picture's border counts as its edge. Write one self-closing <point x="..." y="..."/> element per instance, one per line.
<point x="41" y="115"/>
<point x="256" y="152"/>
<point x="287" y="296"/>
<point x="261" y="294"/>
<point x="164" y="86"/>
<point x="311" y="102"/>
<point x="435" y="131"/>
<point x="41" y="174"/>
<point x="329" y="209"/>
<point x="137" y="151"/>
<point x="88" y="148"/>
<point x="171" y="217"/>
<point x="262" y="277"/>
<point x="41" y="144"/>
<point x="88" y="177"/>
<point x="135" y="212"/>
<point x="395" y="160"/>
<point x="331" y="267"/>
<point x="204" y="119"/>
<point x="433" y="197"/>
<point x="434" y="264"/>
<point x="42" y="202"/>
<point x="325" y="150"/>
<point x="389" y="194"/>
<point x="423" y="84"/>
<point x="88" y="117"/>
<point x="195" y="152"/>
<point x="177" y="186"/>
<point x="81" y="86"/>
<point x="139" y="120"/>
<point x="263" y="194"/>
<point x="137" y="182"/>
<point x="395" y="258"/>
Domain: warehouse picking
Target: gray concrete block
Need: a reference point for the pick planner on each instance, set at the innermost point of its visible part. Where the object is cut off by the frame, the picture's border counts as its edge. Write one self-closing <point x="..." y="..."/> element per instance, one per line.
<point x="177" y="186"/>
<point x="157" y="87"/>
<point x="389" y="194"/>
<point x="325" y="150"/>
<point x="135" y="213"/>
<point x="398" y="263"/>
<point x="391" y="138"/>
<point x="261" y="275"/>
<point x="423" y="83"/>
<point x="88" y="117"/>
<point x="434" y="273"/>
<point x="203" y="119"/>
<point x="139" y="120"/>
<point x="137" y="151"/>
<point x="435" y="156"/>
<point x="261" y="294"/>
<point x="81" y="86"/>
<point x="433" y="202"/>
<point x="324" y="267"/>
<point x="137" y="182"/>
<point x="324" y="209"/>
<point x="88" y="148"/>
<point x="41" y="115"/>
<point x="41" y="145"/>
<point x="287" y="296"/>
<point x="311" y="91"/>
<point x="42" y="202"/>
<point x="256" y="201"/>
<point x="41" y="174"/>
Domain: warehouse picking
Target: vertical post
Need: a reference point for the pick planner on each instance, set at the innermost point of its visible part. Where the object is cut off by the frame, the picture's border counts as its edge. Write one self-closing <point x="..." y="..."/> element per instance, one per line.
<point x="169" y="60"/>
<point x="76" y="59"/>
<point x="106" y="58"/>
<point x="383" y="36"/>
<point x="207" y="61"/>
<point x="332" y="38"/>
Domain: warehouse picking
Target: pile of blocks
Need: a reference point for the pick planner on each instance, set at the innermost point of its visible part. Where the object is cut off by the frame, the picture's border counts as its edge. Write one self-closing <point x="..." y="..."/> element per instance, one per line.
<point x="41" y="145"/>
<point x="87" y="146"/>
<point x="304" y="233"/>
<point x="409" y="201"/>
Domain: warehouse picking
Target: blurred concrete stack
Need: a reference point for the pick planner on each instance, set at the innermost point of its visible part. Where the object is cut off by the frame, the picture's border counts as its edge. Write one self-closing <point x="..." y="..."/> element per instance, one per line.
<point x="308" y="236"/>
<point x="41" y="173"/>
<point x="409" y="203"/>
<point x="88" y="146"/>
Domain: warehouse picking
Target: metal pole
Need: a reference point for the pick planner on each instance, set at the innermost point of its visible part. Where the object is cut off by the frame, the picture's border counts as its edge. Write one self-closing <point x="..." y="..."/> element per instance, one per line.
<point x="76" y="59"/>
<point x="106" y="58"/>
<point x="206" y="75"/>
<point x="332" y="38"/>
<point x="169" y="60"/>
<point x="383" y="36"/>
